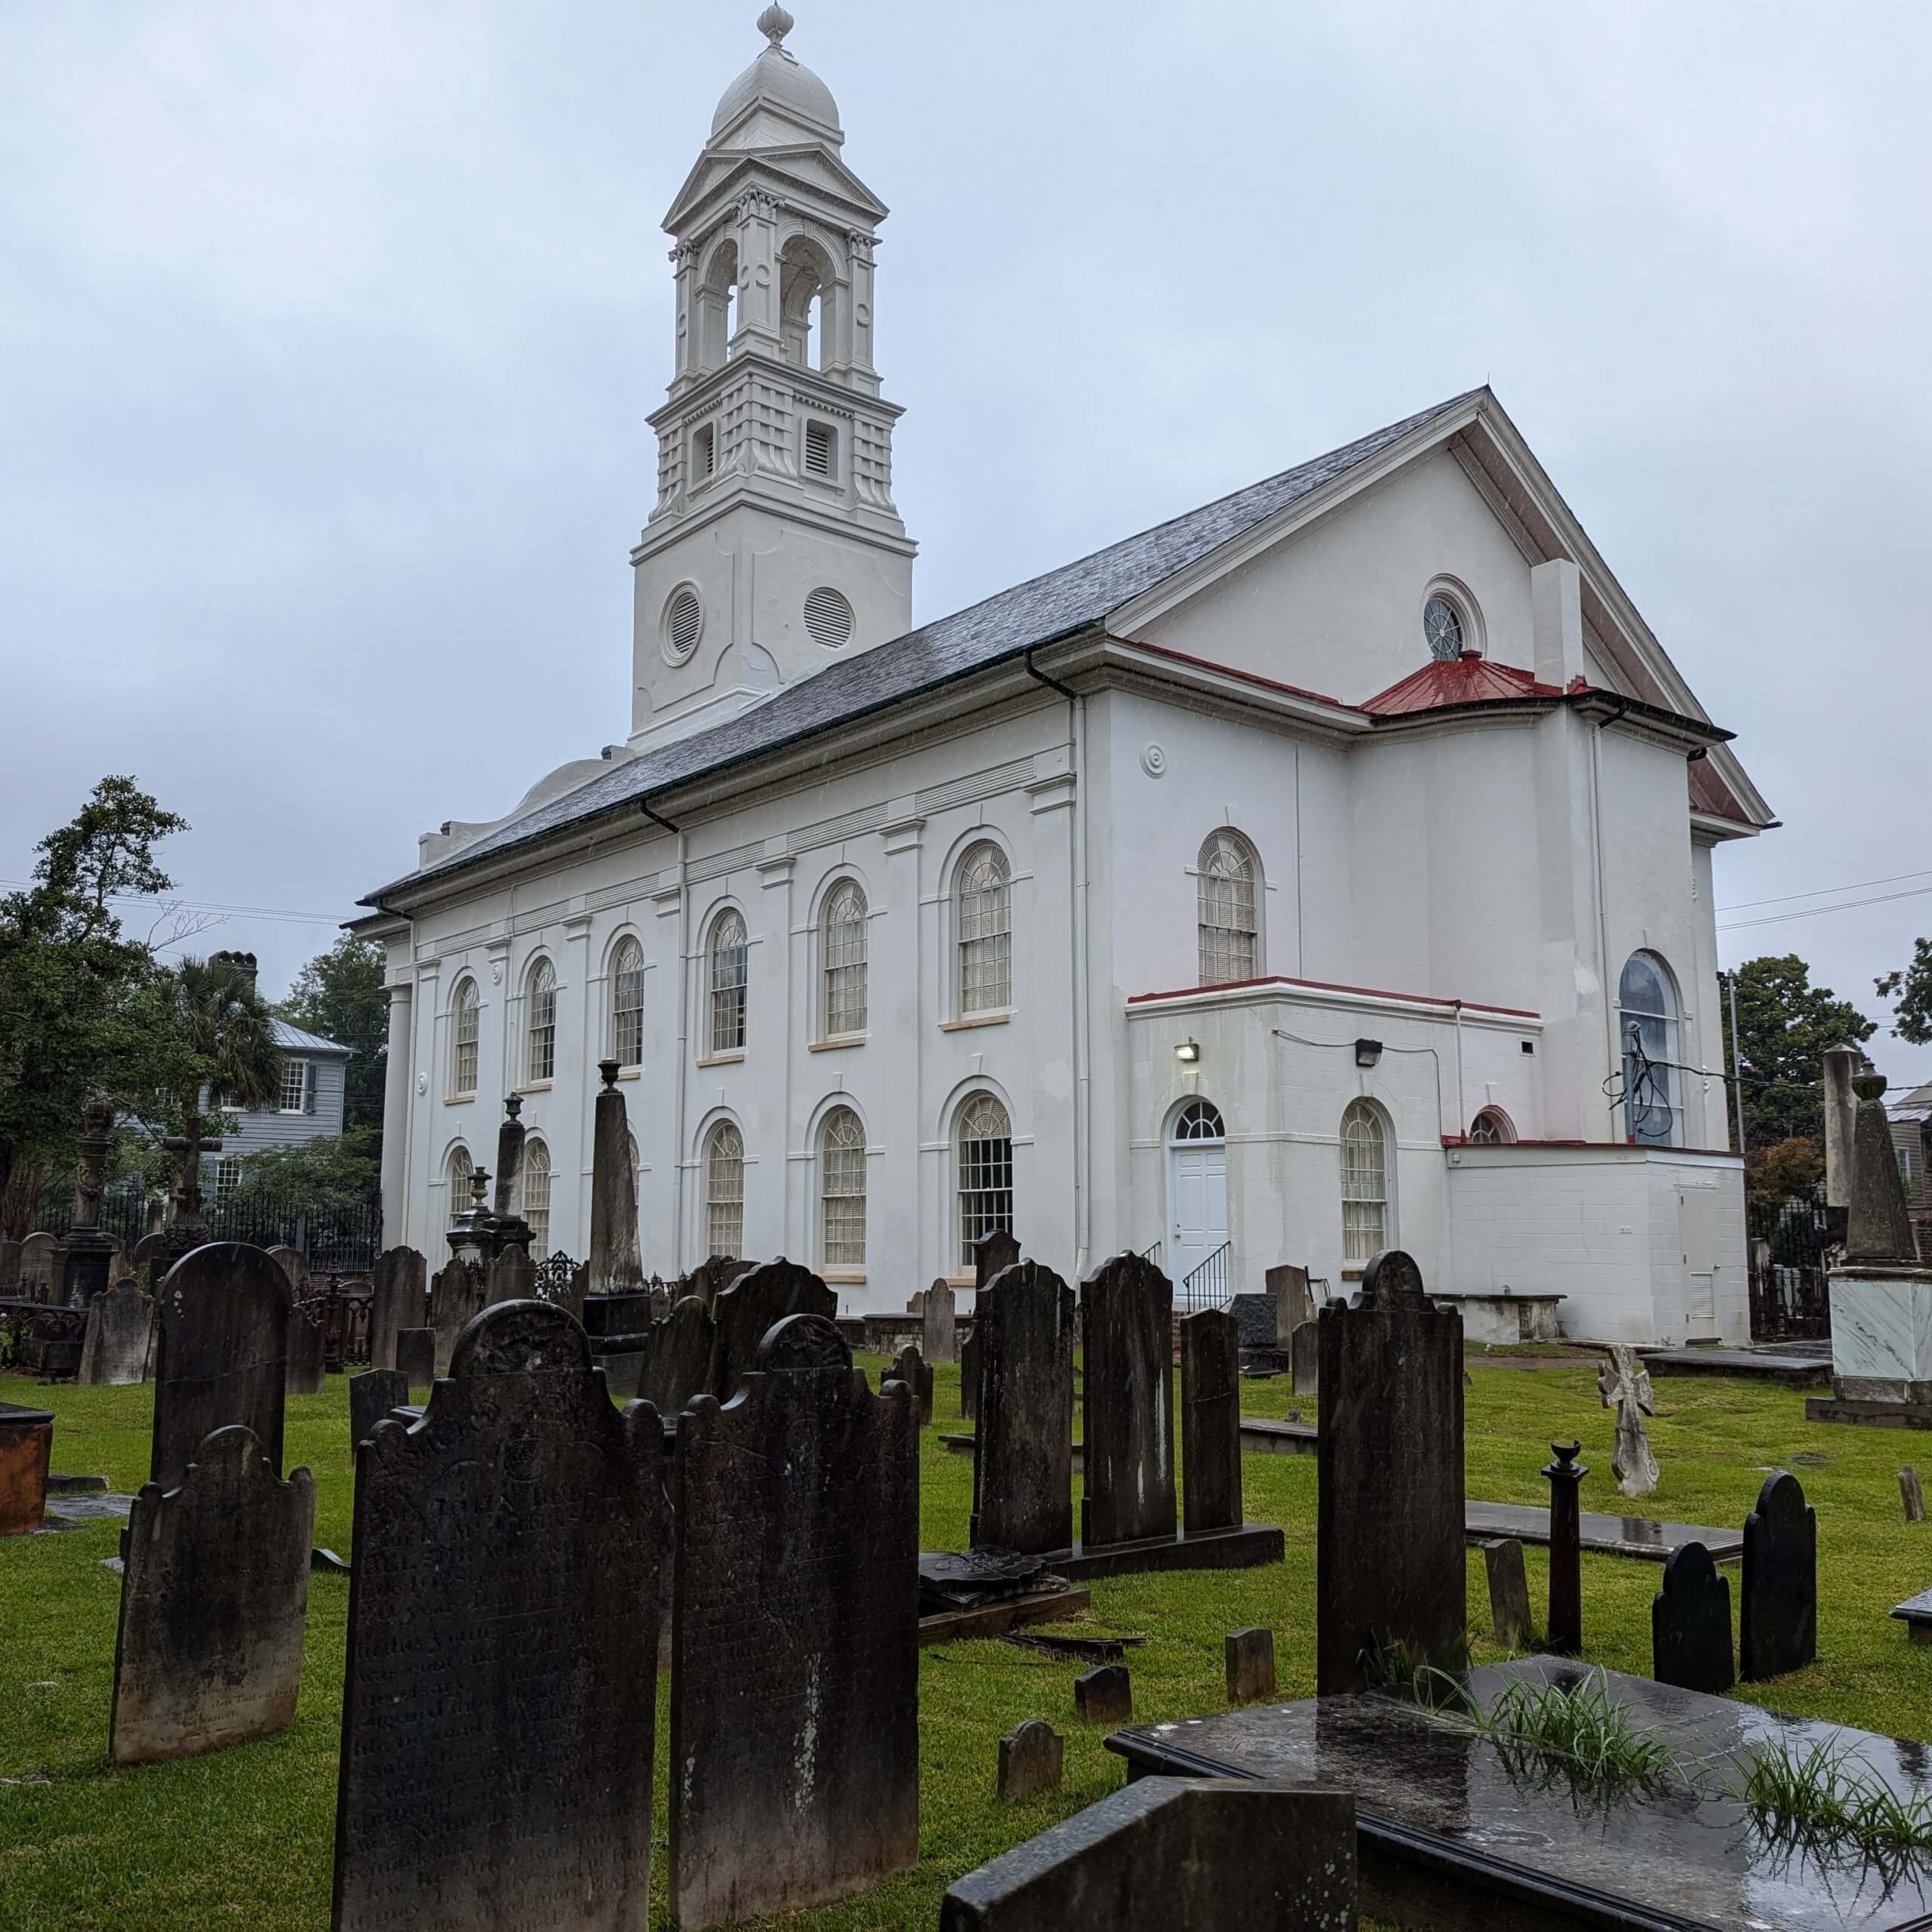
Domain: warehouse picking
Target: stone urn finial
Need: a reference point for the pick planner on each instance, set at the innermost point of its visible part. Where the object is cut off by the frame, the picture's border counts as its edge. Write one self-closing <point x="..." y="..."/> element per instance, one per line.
<point x="608" y="1068"/>
<point x="775" y="24"/>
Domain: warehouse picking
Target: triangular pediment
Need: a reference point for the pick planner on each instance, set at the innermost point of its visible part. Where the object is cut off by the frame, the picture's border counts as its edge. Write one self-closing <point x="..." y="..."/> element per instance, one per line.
<point x="807" y="167"/>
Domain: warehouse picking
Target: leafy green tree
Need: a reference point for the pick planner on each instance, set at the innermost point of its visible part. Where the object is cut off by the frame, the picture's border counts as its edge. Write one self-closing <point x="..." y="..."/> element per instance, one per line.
<point x="1912" y="987"/>
<point x="340" y="995"/>
<point x="342" y="1175"/>
<point x="224" y="1034"/>
<point x="1784" y="1025"/>
<point x="1774" y="1175"/>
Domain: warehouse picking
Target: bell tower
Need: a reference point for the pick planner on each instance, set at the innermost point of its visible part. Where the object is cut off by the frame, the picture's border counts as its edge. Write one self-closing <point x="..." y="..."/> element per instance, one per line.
<point x="775" y="549"/>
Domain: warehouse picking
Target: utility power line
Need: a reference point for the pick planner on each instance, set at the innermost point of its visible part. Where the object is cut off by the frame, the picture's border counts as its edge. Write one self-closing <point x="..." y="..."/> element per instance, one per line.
<point x="1815" y="911"/>
<point x="278" y="912"/>
<point x="1850" y="885"/>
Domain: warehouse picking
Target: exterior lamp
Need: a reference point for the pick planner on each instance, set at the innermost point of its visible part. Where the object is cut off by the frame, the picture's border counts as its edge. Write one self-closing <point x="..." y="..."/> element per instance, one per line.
<point x="1368" y="1052"/>
<point x="1187" y="1053"/>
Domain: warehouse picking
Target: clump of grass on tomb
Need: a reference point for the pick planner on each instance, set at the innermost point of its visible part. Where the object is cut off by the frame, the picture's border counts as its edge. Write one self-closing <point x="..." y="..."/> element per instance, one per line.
<point x="1579" y="1723"/>
<point x="1826" y="1799"/>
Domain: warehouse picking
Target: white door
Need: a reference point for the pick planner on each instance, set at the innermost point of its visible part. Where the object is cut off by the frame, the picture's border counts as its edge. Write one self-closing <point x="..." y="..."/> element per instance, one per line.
<point x="1197" y="1189"/>
<point x="1697" y="1236"/>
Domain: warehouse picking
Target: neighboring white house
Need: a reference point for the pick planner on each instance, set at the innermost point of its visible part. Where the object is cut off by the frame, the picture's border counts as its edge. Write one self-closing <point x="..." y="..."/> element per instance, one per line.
<point x="1327" y="868"/>
<point x="307" y="1105"/>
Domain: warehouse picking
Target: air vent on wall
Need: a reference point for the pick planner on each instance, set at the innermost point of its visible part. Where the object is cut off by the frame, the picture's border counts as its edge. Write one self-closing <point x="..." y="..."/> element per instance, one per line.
<point x="828" y="617"/>
<point x="682" y="622"/>
<point x="820" y="445"/>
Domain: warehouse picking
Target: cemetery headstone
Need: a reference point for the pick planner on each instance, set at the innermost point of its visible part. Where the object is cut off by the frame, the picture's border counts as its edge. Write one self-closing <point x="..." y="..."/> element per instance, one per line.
<point x="26" y="1449"/>
<point x="40" y="1266"/>
<point x="969" y="1374"/>
<point x="1565" y="1475"/>
<point x="1390" y="1561"/>
<point x="499" y="1707"/>
<point x="909" y="1366"/>
<point x="455" y="1295"/>
<point x="1509" y="1592"/>
<point x="416" y="1357"/>
<point x="1127" y="1466"/>
<point x="1305" y="1359"/>
<point x="507" y="1229"/>
<point x="1624" y="1385"/>
<point x="118" y="1268"/>
<point x="372" y="1395"/>
<point x="940" y="1332"/>
<point x="307" y="1359"/>
<point x="290" y="1261"/>
<point x="1175" y="1855"/>
<point x="148" y="1250"/>
<point x="1104" y="1695"/>
<point x="1691" y="1623"/>
<point x="794" y="1735"/>
<point x="221" y="1354"/>
<point x="1023" y="1456"/>
<point x="677" y="1360"/>
<point x="399" y="1298"/>
<point x="1032" y="1756"/>
<point x="114" y="1352"/>
<point x="1210" y="1422"/>
<point x="1777" y="1622"/>
<point x="214" y="1599"/>
<point x="617" y="1264"/>
<point x="1294" y="1304"/>
<point x="1250" y="1665"/>
<point x="9" y="1268"/>
<point x="1911" y="1495"/>
<point x="511" y="1277"/>
<point x="755" y="1302"/>
<point x="710" y="1279"/>
<point x="992" y="1255"/>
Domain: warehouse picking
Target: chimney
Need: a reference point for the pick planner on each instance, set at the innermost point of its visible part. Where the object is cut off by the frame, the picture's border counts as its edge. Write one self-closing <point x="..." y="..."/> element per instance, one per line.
<point x="242" y="964"/>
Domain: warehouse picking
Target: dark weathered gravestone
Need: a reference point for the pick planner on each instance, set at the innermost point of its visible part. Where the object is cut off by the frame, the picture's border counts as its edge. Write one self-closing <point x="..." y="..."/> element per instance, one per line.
<point x="1249" y="1656"/>
<point x="1691" y="1623"/>
<point x="1022" y="1452"/>
<point x="416" y="1357"/>
<point x="755" y="1302"/>
<point x="399" y="1299"/>
<point x="500" y="1703"/>
<point x="1104" y="1695"/>
<point x="969" y="1374"/>
<point x="1509" y="1592"/>
<point x="1210" y="1422"/>
<point x="120" y="1329"/>
<point x="372" y="1395"/>
<point x="290" y="1261"/>
<point x="1305" y="1359"/>
<point x="148" y="1250"/>
<point x="616" y="1266"/>
<point x="911" y="1368"/>
<point x="1390" y="1563"/>
<point x="1031" y="1759"/>
<point x="939" y="1318"/>
<point x="710" y="1279"/>
<point x="1256" y="1314"/>
<point x="9" y="1268"/>
<point x="1565" y="1475"/>
<point x="1127" y="1469"/>
<point x="992" y="1255"/>
<point x="795" y="1637"/>
<point x="456" y="1297"/>
<point x="511" y="1277"/>
<point x="677" y="1360"/>
<point x="307" y="1371"/>
<point x="221" y="1354"/>
<point x="1777" y="1622"/>
<point x="1911" y="1496"/>
<point x="1175" y="1855"/>
<point x="213" y="1601"/>
<point x="1294" y="1303"/>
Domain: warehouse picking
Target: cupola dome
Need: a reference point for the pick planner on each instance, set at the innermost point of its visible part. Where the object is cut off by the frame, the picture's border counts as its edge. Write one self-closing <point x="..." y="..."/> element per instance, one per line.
<point x="777" y="80"/>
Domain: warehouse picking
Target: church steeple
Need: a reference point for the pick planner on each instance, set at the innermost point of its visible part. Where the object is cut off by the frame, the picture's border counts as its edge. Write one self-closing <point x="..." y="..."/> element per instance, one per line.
<point x="775" y="547"/>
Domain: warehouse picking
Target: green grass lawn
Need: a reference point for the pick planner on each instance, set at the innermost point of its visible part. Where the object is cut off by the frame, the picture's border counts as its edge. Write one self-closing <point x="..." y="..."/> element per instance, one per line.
<point x="243" y="1839"/>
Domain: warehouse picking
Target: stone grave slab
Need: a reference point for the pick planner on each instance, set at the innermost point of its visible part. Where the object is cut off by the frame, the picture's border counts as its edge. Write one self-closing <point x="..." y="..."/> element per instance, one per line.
<point x="26" y="1449"/>
<point x="1509" y="1592"/>
<point x="512" y="1276"/>
<point x="372" y="1395"/>
<point x="1022" y="1474"/>
<point x="307" y="1371"/>
<point x="757" y="1300"/>
<point x="794" y="1643"/>
<point x="1691" y="1623"/>
<point x="221" y="1354"/>
<point x="1209" y="1421"/>
<point x="1637" y="1536"/>
<point x="1294" y="1299"/>
<point x="1032" y="1756"/>
<point x="416" y="1357"/>
<point x="114" y="1352"/>
<point x="499" y="1707"/>
<point x="456" y="1297"/>
<point x="676" y="1361"/>
<point x="939" y="1323"/>
<point x="1104" y="1695"/>
<point x="1453" y="1831"/>
<point x="1788" y="1371"/>
<point x="1175" y="1855"/>
<point x="1261" y="1436"/>
<point x="74" y="1512"/>
<point x="993" y="1254"/>
<point x="1127" y="1471"/>
<point x="214" y="1597"/>
<point x="909" y="1366"/>
<point x="1250" y="1659"/>
<point x="290" y="1261"/>
<point x="1915" y="1613"/>
<point x="1777" y="1620"/>
<point x="399" y="1299"/>
<point x="1305" y="1359"/>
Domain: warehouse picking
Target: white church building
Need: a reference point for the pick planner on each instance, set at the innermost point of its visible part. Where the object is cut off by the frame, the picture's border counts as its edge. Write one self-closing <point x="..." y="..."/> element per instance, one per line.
<point x="1327" y="868"/>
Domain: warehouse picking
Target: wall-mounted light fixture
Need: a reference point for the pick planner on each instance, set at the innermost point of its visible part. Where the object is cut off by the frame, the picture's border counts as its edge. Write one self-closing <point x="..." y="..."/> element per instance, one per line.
<point x="1187" y="1053"/>
<point x="1368" y="1052"/>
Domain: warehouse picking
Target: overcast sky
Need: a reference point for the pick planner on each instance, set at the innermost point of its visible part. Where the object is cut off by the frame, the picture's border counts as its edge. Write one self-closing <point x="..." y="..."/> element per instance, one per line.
<point x="329" y="333"/>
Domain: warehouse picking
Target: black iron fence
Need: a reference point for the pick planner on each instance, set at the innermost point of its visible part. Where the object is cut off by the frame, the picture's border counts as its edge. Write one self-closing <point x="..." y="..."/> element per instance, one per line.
<point x="335" y="1241"/>
<point x="1786" y="1250"/>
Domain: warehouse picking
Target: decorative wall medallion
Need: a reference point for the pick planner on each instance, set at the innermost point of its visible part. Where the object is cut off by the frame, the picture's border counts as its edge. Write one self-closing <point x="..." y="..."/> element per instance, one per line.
<point x="422" y="1083"/>
<point x="1153" y="761"/>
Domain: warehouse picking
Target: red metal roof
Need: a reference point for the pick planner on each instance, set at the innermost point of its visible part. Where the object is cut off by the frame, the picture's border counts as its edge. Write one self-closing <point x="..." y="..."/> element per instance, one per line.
<point x="1469" y="679"/>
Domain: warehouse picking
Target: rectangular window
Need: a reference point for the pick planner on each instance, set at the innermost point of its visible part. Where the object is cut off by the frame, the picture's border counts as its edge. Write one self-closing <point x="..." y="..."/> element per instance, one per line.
<point x="985" y="1192"/>
<point x="294" y="1086"/>
<point x="227" y="1176"/>
<point x="844" y="1207"/>
<point x="821" y="449"/>
<point x="1905" y="1164"/>
<point x="537" y="1204"/>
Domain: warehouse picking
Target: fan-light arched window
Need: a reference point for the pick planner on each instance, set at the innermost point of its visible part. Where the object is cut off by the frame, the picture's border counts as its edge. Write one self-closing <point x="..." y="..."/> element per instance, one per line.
<point x="841" y="1165"/>
<point x="540" y="1023"/>
<point x="1229" y="948"/>
<point x="843" y="942"/>
<point x="1199" y="1120"/>
<point x="1365" y="1183"/>
<point x="985" y="920"/>
<point x="627" y="1004"/>
<point x="986" y="1172"/>
<point x="534" y="1185"/>
<point x="729" y="970"/>
<point x="459" y="1169"/>
<point x="1647" y="1030"/>
<point x="1491" y="1128"/>
<point x="724" y="1189"/>
<point x="463" y="1038"/>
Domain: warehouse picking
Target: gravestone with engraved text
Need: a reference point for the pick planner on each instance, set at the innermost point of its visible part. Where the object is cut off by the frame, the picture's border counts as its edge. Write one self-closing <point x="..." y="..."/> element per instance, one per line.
<point x="456" y="1297"/>
<point x="1127" y="1467"/>
<point x="939" y="1337"/>
<point x="399" y="1299"/>
<point x="909" y="1366"/>
<point x="1023" y="1455"/>
<point x="1209" y="1421"/>
<point x="120" y="1329"/>
<point x="678" y="1357"/>
<point x="372" y="1395"/>
<point x="757" y="1300"/>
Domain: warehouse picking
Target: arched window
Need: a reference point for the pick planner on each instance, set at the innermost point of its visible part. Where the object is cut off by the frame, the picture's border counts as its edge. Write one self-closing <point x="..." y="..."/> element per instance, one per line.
<point x="627" y="1004"/>
<point x="985" y="921"/>
<point x="1199" y="1120"/>
<point x="843" y="942"/>
<point x="1647" y="1031"/>
<point x="1229" y="951"/>
<point x="463" y="1038"/>
<point x="729" y="968"/>
<point x="724" y="1190"/>
<point x="842" y="1167"/>
<point x="985" y="1172"/>
<point x="1491" y="1128"/>
<point x="540" y="1023"/>
<point x="534" y="1185"/>
<point x="459" y="1169"/>
<point x="1365" y="1183"/>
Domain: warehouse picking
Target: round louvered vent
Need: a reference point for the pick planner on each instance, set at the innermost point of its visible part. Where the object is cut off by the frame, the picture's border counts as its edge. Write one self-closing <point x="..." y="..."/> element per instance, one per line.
<point x="683" y="619"/>
<point x="828" y="617"/>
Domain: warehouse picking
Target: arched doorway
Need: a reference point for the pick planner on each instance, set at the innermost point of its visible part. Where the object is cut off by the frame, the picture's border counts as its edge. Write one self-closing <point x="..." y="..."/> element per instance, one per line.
<point x="1197" y="1187"/>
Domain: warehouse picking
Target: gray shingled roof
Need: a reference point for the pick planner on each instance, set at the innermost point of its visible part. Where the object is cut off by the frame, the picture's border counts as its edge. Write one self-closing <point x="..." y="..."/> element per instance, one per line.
<point x="1007" y="625"/>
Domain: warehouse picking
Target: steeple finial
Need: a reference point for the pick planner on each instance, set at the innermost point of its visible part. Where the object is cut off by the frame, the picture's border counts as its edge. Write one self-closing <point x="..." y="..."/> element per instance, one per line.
<point x="775" y="24"/>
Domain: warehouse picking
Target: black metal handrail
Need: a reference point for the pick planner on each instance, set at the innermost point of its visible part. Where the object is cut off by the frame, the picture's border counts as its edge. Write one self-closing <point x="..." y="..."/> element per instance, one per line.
<point x="1153" y="1254"/>
<point x="1207" y="1286"/>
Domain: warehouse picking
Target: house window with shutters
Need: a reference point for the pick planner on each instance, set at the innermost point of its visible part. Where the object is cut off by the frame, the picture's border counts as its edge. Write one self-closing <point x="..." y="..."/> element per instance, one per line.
<point x="730" y="972"/>
<point x="985" y="1172"/>
<point x="843" y="942"/>
<point x="540" y="1023"/>
<point x="533" y="1191"/>
<point x="983" y="915"/>
<point x="1229" y="928"/>
<point x="463" y="1040"/>
<point x="1365" y="1183"/>
<point x="821" y="450"/>
<point x="724" y="1189"/>
<point x="627" y="1004"/>
<point x="296" y="1075"/>
<point x="841" y="1160"/>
